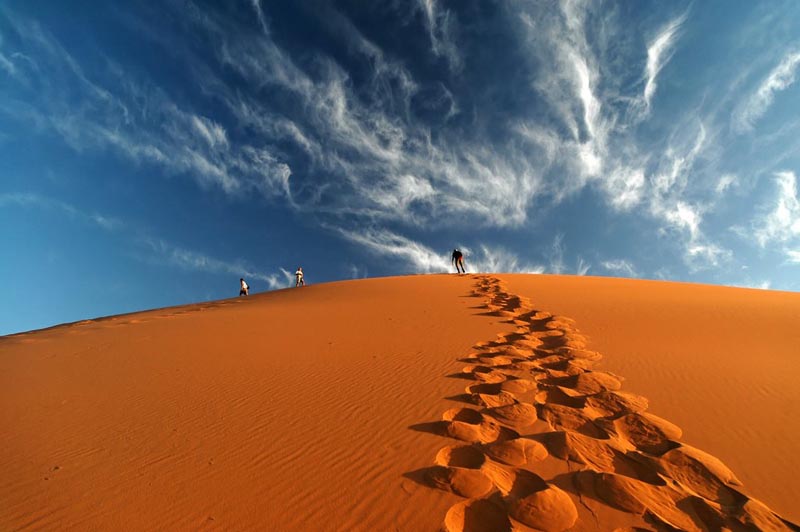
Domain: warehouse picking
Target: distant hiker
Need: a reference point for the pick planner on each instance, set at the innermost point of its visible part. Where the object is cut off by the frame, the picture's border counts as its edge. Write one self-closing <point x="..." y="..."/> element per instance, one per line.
<point x="244" y="290"/>
<point x="299" y="277"/>
<point x="458" y="260"/>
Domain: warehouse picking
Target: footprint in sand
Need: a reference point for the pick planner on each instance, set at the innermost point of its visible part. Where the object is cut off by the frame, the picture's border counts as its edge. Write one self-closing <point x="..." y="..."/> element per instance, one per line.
<point x="615" y="404"/>
<point x="516" y="452"/>
<point x="704" y="474"/>
<point x="468" y="483"/>
<point x="458" y="470"/>
<point x="562" y="417"/>
<point x="478" y="515"/>
<point x="532" y="501"/>
<point x="586" y="383"/>
<point x="493" y="400"/>
<point x="645" y="431"/>
<point x="484" y="374"/>
<point x="517" y="415"/>
<point x="469" y="425"/>
<point x="539" y="380"/>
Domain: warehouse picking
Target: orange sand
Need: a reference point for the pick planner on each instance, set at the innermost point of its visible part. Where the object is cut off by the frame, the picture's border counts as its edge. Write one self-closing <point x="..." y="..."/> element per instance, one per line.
<point x="342" y="407"/>
<point x="722" y="363"/>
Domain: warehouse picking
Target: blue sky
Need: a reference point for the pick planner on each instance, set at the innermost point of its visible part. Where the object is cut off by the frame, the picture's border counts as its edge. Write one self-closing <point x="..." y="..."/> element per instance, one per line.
<point x="153" y="153"/>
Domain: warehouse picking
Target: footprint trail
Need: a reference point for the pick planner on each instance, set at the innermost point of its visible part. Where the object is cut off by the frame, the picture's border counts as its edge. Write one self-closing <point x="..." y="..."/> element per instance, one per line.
<point x="546" y="442"/>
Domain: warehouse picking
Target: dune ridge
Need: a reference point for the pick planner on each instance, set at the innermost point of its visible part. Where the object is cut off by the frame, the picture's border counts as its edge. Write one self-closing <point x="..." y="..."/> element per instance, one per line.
<point x="550" y="444"/>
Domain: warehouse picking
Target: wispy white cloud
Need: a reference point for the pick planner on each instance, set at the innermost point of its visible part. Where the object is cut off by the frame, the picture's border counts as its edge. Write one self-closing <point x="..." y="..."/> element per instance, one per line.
<point x="781" y="223"/>
<point x="569" y="90"/>
<point x="793" y="256"/>
<point x="441" y="25"/>
<point x="759" y="285"/>
<point x="385" y="165"/>
<point x="414" y="257"/>
<point x="24" y="199"/>
<point x="7" y="65"/>
<point x="779" y="79"/>
<point x="138" y="121"/>
<point x="212" y="132"/>
<point x="602" y="149"/>
<point x="597" y="149"/>
<point x="283" y="279"/>
<point x="620" y="266"/>
<point x="156" y="250"/>
<point x="357" y="272"/>
<point x="671" y="178"/>
<point x="556" y="257"/>
<point x="556" y="262"/>
<point x="494" y="259"/>
<point x="163" y="252"/>
<point x="725" y="182"/>
<point x="262" y="20"/>
<point x="701" y="255"/>
<point x="675" y="183"/>
<point x="418" y="257"/>
<point x="682" y="217"/>
<point x="659" y="52"/>
<point x="583" y="267"/>
<point x="403" y="193"/>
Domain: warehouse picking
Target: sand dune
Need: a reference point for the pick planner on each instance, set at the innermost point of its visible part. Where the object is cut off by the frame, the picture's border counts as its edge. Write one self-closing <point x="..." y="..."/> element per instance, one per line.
<point x="416" y="403"/>
<point x="721" y="363"/>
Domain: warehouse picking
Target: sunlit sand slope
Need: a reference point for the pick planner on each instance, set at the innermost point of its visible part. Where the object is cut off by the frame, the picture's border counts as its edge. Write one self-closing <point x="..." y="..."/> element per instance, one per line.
<point x="549" y="442"/>
<point x="415" y="403"/>
<point x="284" y="411"/>
<point x="722" y="363"/>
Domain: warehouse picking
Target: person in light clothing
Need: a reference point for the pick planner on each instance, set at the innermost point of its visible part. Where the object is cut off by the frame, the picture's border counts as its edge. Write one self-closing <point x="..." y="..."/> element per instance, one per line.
<point x="299" y="278"/>
<point x="244" y="290"/>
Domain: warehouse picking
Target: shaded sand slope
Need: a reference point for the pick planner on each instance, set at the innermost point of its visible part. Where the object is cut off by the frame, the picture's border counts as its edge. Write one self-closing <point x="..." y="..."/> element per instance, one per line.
<point x="721" y="363"/>
<point x="284" y="411"/>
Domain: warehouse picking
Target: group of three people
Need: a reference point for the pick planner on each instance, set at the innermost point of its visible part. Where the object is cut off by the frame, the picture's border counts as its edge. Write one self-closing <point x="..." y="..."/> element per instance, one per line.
<point x="457" y="259"/>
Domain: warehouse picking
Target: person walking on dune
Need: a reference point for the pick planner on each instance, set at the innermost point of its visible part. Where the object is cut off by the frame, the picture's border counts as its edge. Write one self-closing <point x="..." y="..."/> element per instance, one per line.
<point x="244" y="290"/>
<point x="299" y="277"/>
<point x="458" y="260"/>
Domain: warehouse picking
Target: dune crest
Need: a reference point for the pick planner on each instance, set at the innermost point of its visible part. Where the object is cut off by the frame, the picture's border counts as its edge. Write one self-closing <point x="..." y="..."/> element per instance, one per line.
<point x="553" y="445"/>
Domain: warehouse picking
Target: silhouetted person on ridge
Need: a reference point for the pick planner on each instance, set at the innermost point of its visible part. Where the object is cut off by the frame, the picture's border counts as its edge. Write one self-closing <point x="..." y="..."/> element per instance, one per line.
<point x="244" y="290"/>
<point x="458" y="260"/>
<point x="299" y="277"/>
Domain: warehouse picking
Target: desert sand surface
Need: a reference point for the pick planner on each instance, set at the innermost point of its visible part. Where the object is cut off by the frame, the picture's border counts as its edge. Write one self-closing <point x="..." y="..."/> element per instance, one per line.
<point x="475" y="402"/>
<point x="721" y="363"/>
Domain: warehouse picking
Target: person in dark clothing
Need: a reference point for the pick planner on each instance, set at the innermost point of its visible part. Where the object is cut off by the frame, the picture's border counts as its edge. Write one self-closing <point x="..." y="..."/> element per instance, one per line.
<point x="458" y="260"/>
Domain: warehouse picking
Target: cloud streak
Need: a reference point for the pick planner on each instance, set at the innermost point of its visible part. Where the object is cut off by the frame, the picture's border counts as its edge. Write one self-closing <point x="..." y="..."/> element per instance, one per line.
<point x="756" y="105"/>
<point x="659" y="52"/>
<point x="441" y="25"/>
<point x="25" y="199"/>
<point x="620" y="267"/>
<point x="156" y="250"/>
<point x="163" y="252"/>
<point x="781" y="223"/>
<point x="411" y="256"/>
<point x="138" y="121"/>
